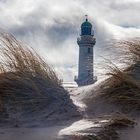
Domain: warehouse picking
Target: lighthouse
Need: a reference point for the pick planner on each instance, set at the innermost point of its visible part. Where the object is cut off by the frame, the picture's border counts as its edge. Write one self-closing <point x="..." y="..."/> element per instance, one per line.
<point x="86" y="43"/>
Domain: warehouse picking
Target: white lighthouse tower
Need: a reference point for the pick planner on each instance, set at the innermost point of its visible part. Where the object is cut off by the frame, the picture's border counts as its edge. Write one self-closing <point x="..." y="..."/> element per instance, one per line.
<point x="86" y="43"/>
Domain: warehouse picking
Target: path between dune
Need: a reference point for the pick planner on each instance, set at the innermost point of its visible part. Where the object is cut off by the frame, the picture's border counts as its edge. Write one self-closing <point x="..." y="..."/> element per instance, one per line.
<point x="55" y="132"/>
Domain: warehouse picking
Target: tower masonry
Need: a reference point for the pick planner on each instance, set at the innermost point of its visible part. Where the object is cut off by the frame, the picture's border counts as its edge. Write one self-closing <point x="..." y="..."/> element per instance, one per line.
<point x="86" y="43"/>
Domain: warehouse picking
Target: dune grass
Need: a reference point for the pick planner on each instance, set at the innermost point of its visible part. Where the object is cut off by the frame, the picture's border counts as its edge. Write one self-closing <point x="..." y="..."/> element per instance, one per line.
<point x="124" y="84"/>
<point x="120" y="122"/>
<point x="25" y="77"/>
<point x="110" y="130"/>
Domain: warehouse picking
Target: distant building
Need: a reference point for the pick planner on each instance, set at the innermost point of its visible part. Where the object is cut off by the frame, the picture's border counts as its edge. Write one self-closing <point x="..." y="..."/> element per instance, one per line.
<point x="86" y="42"/>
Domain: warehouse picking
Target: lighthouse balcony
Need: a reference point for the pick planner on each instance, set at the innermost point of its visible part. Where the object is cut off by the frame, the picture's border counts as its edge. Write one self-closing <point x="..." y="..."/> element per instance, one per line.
<point x="87" y="39"/>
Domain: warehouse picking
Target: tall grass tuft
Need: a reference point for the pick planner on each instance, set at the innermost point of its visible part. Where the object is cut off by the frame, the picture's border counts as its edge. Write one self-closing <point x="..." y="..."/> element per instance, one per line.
<point x="24" y="76"/>
<point x="124" y="85"/>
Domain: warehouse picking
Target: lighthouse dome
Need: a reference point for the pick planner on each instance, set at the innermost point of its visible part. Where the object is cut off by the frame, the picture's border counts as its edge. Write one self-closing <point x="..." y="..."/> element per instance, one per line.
<point x="86" y="28"/>
<point x="86" y="24"/>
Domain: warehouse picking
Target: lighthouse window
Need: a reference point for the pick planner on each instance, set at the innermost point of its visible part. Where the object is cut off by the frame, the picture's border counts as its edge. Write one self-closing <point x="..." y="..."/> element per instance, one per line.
<point x="88" y="50"/>
<point x="89" y="72"/>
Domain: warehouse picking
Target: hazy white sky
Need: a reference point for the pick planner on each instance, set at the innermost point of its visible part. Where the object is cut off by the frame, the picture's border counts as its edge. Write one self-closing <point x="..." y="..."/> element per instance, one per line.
<point x="52" y="26"/>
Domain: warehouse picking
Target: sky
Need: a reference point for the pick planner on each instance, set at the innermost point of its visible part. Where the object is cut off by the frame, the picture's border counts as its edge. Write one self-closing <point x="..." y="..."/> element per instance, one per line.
<point x="52" y="27"/>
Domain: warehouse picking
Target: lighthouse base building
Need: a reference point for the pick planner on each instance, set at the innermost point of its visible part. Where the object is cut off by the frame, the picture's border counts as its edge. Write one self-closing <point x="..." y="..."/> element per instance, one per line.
<point x="86" y="43"/>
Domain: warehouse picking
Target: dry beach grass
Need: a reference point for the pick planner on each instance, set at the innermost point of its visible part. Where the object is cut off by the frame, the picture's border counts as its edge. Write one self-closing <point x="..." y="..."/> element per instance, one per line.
<point x="123" y="90"/>
<point x="109" y="131"/>
<point x="29" y="84"/>
<point x="124" y="85"/>
<point x="20" y="69"/>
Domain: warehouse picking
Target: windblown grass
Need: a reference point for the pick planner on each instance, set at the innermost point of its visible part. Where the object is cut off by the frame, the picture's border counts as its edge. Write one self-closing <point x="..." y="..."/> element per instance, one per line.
<point x="110" y="130"/>
<point x="24" y="76"/>
<point x="124" y="85"/>
<point x="120" y="122"/>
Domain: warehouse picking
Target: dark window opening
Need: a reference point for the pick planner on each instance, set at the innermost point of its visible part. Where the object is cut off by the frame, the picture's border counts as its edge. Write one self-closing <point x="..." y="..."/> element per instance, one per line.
<point x="88" y="72"/>
<point x="88" y="50"/>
